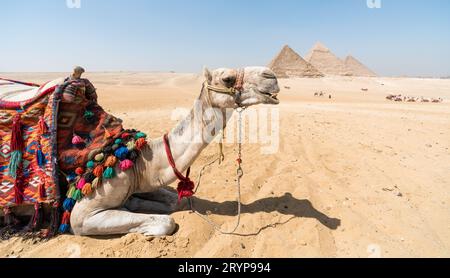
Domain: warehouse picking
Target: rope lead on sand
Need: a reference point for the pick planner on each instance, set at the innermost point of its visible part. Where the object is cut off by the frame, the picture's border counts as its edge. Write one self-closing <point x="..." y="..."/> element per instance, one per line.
<point x="239" y="175"/>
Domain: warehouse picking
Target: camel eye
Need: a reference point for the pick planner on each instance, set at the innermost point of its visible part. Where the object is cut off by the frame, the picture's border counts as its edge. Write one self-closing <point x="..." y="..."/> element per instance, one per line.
<point x="229" y="80"/>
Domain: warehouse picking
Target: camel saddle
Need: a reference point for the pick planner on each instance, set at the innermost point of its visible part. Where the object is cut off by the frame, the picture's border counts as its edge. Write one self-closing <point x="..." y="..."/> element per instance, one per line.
<point x="46" y="133"/>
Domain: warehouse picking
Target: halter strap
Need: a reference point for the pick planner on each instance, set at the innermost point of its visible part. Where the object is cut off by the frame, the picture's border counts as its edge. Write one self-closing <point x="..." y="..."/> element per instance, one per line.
<point x="237" y="88"/>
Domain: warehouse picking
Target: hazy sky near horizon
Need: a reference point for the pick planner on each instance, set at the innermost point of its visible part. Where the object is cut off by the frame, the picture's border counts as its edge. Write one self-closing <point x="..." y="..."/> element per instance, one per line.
<point x="403" y="37"/>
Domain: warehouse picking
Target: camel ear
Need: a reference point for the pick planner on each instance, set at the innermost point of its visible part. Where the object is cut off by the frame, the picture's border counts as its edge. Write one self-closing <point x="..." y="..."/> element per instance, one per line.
<point x="207" y="74"/>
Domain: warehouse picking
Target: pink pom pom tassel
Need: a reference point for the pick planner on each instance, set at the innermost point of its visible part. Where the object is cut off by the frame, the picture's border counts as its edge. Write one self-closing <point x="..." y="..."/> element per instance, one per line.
<point x="77" y="140"/>
<point x="126" y="164"/>
<point x="81" y="183"/>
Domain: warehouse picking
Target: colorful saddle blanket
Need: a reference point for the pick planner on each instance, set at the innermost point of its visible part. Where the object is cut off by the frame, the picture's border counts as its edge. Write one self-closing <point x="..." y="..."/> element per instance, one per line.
<point x="45" y="129"/>
<point x="58" y="128"/>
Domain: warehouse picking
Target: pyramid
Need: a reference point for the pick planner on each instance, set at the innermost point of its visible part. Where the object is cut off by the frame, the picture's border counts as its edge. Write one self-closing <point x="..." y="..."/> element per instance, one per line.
<point x="289" y="64"/>
<point x="357" y="68"/>
<point x="325" y="61"/>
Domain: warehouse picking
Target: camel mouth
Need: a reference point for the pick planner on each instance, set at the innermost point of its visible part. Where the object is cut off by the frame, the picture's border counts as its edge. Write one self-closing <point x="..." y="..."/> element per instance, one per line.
<point x="271" y="98"/>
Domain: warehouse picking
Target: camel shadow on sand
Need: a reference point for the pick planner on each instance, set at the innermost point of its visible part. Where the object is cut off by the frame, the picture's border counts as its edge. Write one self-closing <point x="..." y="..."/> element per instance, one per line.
<point x="285" y="205"/>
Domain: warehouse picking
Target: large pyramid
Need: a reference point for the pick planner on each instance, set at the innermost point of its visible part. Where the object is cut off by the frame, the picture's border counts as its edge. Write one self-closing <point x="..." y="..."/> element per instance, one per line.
<point x="357" y="68"/>
<point x="289" y="64"/>
<point x="325" y="61"/>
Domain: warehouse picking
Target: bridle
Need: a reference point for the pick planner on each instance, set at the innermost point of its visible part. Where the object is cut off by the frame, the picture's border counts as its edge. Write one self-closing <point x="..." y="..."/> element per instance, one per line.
<point x="235" y="91"/>
<point x="186" y="187"/>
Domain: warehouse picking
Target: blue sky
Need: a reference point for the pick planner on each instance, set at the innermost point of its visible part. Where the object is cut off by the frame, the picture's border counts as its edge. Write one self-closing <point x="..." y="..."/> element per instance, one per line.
<point x="403" y="37"/>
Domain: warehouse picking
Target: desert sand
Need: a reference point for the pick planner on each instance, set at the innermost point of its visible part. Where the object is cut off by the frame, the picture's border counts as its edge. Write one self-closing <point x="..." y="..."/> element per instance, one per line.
<point x="355" y="175"/>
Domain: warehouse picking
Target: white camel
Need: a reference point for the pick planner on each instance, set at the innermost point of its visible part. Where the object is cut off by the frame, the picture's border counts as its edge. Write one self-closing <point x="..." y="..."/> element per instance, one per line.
<point x="111" y="209"/>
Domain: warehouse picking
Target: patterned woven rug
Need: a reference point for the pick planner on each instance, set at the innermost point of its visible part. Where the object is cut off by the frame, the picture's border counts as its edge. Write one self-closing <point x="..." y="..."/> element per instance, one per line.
<point x="27" y="157"/>
<point x="57" y="128"/>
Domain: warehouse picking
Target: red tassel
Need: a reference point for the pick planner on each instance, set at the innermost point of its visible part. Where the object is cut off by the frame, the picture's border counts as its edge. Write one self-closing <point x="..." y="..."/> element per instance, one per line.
<point x="185" y="187"/>
<point x="66" y="217"/>
<point x="16" y="135"/>
<point x="36" y="213"/>
<point x="18" y="192"/>
<point x="36" y="220"/>
<point x="54" y="220"/>
<point x="43" y="126"/>
<point x="17" y="145"/>
<point x="79" y="171"/>
<point x="42" y="191"/>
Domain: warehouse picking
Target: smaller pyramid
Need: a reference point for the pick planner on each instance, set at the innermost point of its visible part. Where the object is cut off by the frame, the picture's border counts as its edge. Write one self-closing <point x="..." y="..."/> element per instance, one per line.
<point x="288" y="64"/>
<point x="358" y="68"/>
<point x="325" y="61"/>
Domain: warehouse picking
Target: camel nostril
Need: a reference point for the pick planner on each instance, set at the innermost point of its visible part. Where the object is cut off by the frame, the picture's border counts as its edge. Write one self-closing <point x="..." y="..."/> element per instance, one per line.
<point x="269" y="75"/>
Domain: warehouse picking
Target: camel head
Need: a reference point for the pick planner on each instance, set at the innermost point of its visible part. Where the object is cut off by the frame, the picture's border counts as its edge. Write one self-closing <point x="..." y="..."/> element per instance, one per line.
<point x="254" y="85"/>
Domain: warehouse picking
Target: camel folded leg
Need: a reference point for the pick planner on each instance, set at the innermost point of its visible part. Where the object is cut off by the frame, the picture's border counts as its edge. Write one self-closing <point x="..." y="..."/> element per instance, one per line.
<point x="115" y="222"/>
<point x="160" y="201"/>
<point x="136" y="204"/>
<point x="161" y="195"/>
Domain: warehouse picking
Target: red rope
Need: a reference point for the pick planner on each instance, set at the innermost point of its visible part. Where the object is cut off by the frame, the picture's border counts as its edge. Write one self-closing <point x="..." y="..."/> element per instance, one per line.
<point x="186" y="185"/>
<point x="21" y="82"/>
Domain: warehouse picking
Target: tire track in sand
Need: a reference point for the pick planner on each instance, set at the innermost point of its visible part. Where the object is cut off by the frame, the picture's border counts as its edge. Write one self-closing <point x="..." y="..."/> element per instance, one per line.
<point x="305" y="151"/>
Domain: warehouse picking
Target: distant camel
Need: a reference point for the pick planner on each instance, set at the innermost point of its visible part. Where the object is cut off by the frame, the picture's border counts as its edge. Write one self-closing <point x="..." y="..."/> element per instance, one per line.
<point x="390" y="97"/>
<point x="398" y="98"/>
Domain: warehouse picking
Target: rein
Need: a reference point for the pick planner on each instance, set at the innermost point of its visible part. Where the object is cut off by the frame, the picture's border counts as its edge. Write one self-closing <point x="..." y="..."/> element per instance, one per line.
<point x="186" y="186"/>
<point x="239" y="175"/>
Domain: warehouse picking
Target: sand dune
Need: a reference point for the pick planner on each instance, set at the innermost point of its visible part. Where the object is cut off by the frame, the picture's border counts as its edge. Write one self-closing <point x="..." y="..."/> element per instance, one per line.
<point x="355" y="175"/>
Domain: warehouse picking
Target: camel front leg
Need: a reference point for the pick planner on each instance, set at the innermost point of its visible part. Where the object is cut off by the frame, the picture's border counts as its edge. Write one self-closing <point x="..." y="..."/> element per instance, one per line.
<point x="159" y="201"/>
<point x="102" y="213"/>
<point x="160" y="195"/>
<point x="136" y="204"/>
<point x="116" y="222"/>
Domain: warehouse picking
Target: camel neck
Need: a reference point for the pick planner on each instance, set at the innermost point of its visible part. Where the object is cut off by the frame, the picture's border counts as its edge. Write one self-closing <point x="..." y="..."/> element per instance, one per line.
<point x="197" y="131"/>
<point x="187" y="140"/>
